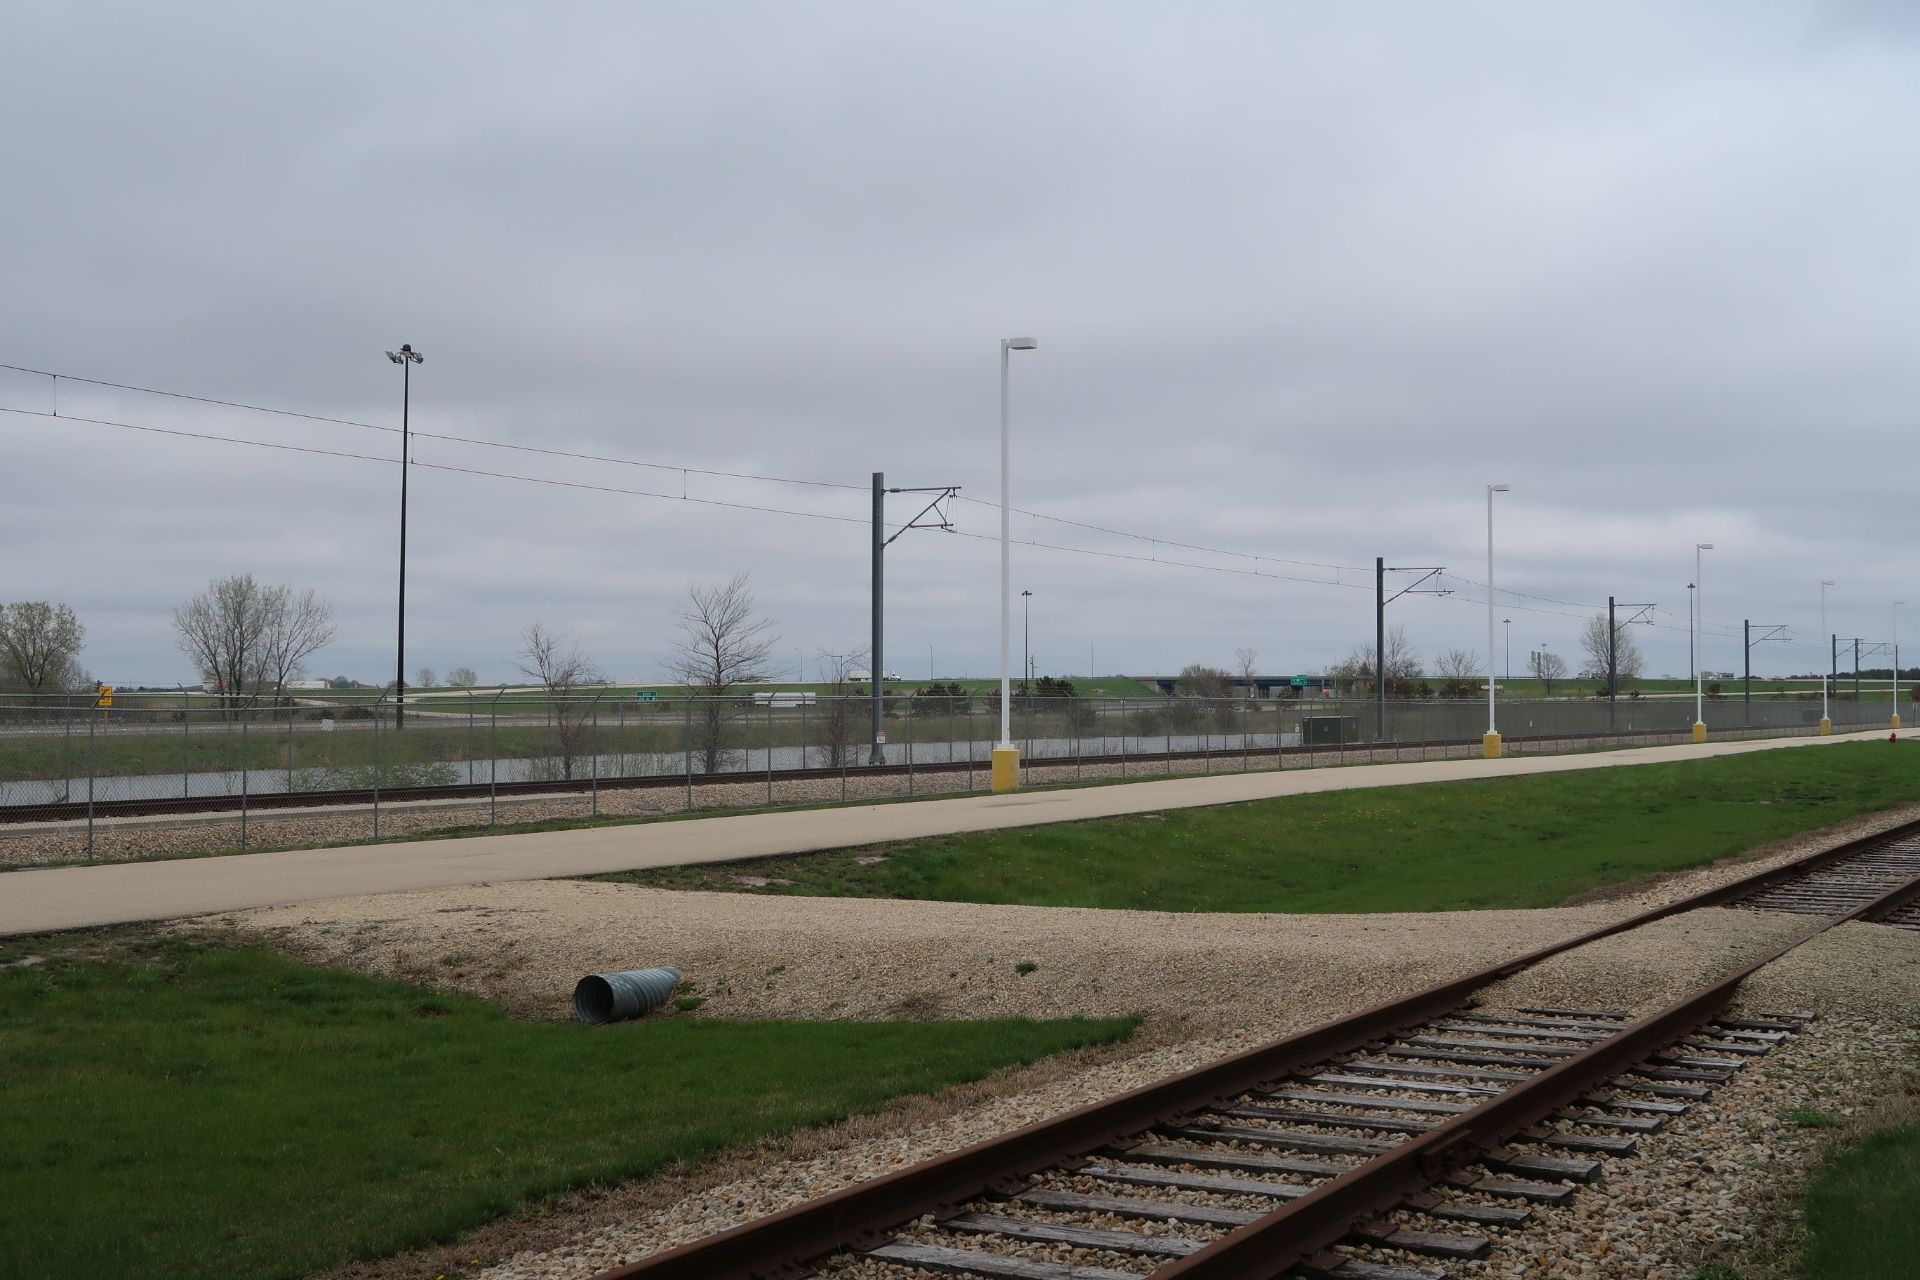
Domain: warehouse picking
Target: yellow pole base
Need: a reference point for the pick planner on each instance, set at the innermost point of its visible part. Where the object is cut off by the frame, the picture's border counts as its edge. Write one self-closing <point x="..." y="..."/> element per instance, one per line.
<point x="1490" y="746"/>
<point x="1006" y="769"/>
<point x="1826" y="727"/>
<point x="1896" y="719"/>
<point x="1699" y="731"/>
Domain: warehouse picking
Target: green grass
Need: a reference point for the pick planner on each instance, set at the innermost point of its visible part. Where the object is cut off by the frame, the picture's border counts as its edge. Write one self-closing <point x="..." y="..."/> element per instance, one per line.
<point x="1530" y="841"/>
<point x="1860" y="1216"/>
<point x="194" y="1111"/>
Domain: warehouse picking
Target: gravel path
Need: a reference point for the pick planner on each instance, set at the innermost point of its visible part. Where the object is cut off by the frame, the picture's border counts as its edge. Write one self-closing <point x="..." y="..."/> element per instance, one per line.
<point x="525" y="943"/>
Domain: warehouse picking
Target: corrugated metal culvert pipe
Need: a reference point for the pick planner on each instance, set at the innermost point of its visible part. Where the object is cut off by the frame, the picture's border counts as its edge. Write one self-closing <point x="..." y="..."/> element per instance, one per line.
<point x="615" y="997"/>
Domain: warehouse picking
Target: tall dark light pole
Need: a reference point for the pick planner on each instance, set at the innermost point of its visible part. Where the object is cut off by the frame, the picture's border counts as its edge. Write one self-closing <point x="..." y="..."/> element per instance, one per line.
<point x="406" y="357"/>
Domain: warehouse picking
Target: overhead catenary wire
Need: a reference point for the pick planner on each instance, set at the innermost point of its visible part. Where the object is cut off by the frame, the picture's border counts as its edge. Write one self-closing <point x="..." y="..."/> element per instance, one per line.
<point x="685" y="470"/>
<point x="1506" y="598"/>
<point x="1152" y="559"/>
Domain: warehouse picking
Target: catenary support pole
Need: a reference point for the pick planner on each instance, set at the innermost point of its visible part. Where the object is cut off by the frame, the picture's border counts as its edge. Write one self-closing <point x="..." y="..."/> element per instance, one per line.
<point x="1380" y="646"/>
<point x="876" y="750"/>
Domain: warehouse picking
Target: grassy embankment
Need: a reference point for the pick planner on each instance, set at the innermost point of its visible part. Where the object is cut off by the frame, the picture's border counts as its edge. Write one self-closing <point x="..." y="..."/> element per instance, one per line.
<point x="1530" y="841"/>
<point x="201" y="1111"/>
<point x="1861" y="1221"/>
<point x="191" y="1110"/>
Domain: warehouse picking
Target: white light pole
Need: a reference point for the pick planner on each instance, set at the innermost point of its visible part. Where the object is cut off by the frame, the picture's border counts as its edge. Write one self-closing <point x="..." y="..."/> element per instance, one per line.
<point x="1699" y="642"/>
<point x="1006" y="757"/>
<point x="1826" y="721"/>
<point x="1490" y="745"/>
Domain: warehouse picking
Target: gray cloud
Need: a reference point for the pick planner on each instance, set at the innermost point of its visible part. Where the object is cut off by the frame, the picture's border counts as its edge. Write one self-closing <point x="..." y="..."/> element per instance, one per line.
<point x="1305" y="281"/>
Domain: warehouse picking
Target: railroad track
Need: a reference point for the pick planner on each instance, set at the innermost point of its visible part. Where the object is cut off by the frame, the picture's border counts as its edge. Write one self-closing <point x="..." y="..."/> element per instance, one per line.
<point x="1376" y="1147"/>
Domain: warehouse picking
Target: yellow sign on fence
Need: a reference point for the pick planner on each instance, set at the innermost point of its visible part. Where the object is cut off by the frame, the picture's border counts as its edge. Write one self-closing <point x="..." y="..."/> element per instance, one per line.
<point x="103" y="695"/>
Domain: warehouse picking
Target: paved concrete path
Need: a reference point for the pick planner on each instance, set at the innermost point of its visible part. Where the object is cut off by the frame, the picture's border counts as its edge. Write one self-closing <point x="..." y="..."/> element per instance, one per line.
<point x="73" y="897"/>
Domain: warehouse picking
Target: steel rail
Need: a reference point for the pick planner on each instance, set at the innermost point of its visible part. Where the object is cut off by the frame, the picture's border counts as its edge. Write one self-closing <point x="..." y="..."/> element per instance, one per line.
<point x="1293" y="1233"/>
<point x="780" y="1244"/>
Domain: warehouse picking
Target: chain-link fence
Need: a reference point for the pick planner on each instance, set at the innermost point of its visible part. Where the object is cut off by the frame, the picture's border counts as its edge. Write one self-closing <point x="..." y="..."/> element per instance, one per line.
<point x="82" y="781"/>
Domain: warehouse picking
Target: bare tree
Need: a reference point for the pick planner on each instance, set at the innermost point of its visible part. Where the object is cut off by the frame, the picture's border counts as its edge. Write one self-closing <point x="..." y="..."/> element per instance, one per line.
<point x="247" y="637"/>
<point x="1248" y="662"/>
<point x="1629" y="662"/>
<point x="40" y="645"/>
<point x="843" y="718"/>
<point x="721" y="646"/>
<point x="1403" y="667"/>
<point x="565" y="673"/>
<point x="462" y="678"/>
<point x="1459" y="672"/>
<point x="298" y="626"/>
<point x="425" y="678"/>
<point x="1549" y="668"/>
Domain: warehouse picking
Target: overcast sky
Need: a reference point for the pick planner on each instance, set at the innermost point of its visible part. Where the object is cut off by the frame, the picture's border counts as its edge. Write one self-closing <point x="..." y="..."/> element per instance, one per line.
<point x="1305" y="278"/>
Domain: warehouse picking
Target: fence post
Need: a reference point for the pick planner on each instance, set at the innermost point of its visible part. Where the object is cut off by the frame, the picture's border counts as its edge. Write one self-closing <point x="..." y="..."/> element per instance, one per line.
<point x="686" y="737"/>
<point x="804" y="754"/>
<point x="245" y="761"/>
<point x="378" y="715"/>
<point x="769" y="751"/>
<point x="90" y="762"/>
<point x="970" y="741"/>
<point x="1079" y="753"/>
<point x="1026" y="758"/>
<point x="841" y="744"/>
<point x="469" y="737"/>
<point x="593" y="745"/>
<point x="186" y="720"/>
<point x="289" y="748"/>
<point x="66" y="759"/>
<point x="910" y="711"/>
<point x="1279" y="762"/>
<point x="493" y="760"/>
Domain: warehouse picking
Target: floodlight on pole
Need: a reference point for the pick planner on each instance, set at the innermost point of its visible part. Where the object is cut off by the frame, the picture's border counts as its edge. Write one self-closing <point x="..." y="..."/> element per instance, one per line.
<point x="1490" y="745"/>
<point x="1006" y="756"/>
<point x="1699" y="642"/>
<point x="1826" y="720"/>
<point x="406" y="357"/>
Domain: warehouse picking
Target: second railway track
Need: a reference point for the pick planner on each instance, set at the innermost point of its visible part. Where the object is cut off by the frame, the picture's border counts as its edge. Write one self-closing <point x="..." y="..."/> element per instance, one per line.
<point x="1380" y="1146"/>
